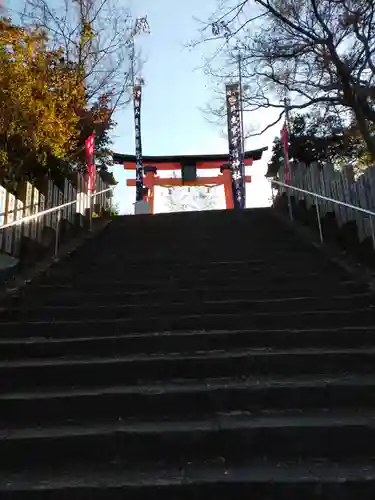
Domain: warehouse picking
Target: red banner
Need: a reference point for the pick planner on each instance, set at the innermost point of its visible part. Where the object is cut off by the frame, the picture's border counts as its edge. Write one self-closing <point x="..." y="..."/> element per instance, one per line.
<point x="91" y="168"/>
<point x="284" y="138"/>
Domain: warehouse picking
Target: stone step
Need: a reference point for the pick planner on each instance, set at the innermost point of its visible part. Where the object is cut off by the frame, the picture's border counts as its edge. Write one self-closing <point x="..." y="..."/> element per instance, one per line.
<point x="202" y="272"/>
<point x="278" y="288"/>
<point x="199" y="267"/>
<point x="172" y="308"/>
<point x="275" y="296"/>
<point x="120" y="369"/>
<point x="108" y="344"/>
<point x="270" y="259"/>
<point x="186" y="399"/>
<point x="273" y="243"/>
<point x="333" y="435"/>
<point x="190" y="280"/>
<point x="278" y="235"/>
<point x="142" y="322"/>
<point x="191" y="252"/>
<point x="295" y="479"/>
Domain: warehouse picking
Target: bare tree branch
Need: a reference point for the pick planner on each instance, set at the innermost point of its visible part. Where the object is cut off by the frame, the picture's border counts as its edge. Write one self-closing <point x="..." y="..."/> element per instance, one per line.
<point x="270" y="125"/>
<point x="98" y="39"/>
<point x="318" y="53"/>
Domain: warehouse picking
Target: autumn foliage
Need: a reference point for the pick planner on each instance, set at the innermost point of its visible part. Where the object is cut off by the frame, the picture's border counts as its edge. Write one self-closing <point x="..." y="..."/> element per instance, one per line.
<point x="45" y="115"/>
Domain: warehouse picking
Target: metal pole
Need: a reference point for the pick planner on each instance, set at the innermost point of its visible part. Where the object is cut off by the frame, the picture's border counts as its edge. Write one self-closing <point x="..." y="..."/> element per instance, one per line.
<point x="132" y="57"/>
<point x="57" y="235"/>
<point x="241" y="109"/>
<point x="290" y="206"/>
<point x="272" y="196"/>
<point x="90" y="213"/>
<point x="286" y="103"/>
<point x="319" y="221"/>
<point x="372" y="231"/>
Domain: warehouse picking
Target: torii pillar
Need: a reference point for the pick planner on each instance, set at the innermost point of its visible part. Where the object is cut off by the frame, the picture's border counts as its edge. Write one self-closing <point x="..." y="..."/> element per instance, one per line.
<point x="151" y="180"/>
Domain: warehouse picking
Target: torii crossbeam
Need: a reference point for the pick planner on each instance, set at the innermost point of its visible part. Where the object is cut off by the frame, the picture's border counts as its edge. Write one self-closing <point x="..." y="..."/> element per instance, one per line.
<point x="188" y="165"/>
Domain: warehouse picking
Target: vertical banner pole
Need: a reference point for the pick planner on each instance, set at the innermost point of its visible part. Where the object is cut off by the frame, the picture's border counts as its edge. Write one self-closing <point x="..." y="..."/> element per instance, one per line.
<point x="138" y="142"/>
<point x="285" y="141"/>
<point x="285" y="131"/>
<point x="235" y="144"/>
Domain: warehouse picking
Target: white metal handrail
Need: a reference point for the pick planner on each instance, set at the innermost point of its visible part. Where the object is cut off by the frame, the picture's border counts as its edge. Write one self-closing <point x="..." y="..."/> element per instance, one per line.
<point x="325" y="198"/>
<point x="57" y="209"/>
<point x="317" y="196"/>
<point x="29" y="218"/>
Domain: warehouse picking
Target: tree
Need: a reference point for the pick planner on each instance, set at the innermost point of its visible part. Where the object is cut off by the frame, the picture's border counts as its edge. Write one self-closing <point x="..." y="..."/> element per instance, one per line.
<point x="115" y="210"/>
<point x="311" y="140"/>
<point x="318" y="53"/>
<point x="45" y="118"/>
<point x="39" y="100"/>
<point x="97" y="38"/>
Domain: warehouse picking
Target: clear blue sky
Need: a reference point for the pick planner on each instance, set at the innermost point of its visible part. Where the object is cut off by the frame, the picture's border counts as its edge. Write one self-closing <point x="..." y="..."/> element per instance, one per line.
<point x="175" y="91"/>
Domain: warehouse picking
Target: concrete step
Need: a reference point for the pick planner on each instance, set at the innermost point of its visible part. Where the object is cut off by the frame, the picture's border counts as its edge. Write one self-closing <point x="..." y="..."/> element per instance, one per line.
<point x="202" y="272"/>
<point x="192" y="281"/>
<point x="120" y="369"/>
<point x="185" y="341"/>
<point x="186" y="399"/>
<point x="114" y="256"/>
<point x="142" y="322"/>
<point x="140" y="246"/>
<point x="190" y="252"/>
<point x="199" y="267"/>
<point x="275" y="288"/>
<point x="262" y="479"/>
<point x="69" y="296"/>
<point x="333" y="435"/>
<point x="174" y="308"/>
<point x="272" y="237"/>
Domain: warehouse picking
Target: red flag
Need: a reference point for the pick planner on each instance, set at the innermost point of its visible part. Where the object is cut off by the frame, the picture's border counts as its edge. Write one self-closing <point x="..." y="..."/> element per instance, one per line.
<point x="90" y="148"/>
<point x="284" y="138"/>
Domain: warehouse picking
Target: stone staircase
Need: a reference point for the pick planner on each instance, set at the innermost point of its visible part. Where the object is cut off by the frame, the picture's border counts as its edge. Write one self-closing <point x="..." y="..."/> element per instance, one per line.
<point x="189" y="356"/>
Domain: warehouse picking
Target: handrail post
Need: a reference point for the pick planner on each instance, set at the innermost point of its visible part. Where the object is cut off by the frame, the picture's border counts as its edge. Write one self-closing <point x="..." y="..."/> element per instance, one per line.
<point x="319" y="221"/>
<point x="90" y="213"/>
<point x="57" y="235"/>
<point x="290" y="206"/>
<point x="372" y="232"/>
<point x="272" y="196"/>
<point x="370" y="214"/>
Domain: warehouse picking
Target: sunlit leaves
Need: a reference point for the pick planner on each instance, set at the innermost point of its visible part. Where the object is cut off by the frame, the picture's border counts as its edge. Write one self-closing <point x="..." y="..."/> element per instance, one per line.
<point x="44" y="114"/>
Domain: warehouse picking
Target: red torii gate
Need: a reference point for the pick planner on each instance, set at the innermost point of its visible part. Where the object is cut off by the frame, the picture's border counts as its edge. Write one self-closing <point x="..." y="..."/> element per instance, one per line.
<point x="189" y="165"/>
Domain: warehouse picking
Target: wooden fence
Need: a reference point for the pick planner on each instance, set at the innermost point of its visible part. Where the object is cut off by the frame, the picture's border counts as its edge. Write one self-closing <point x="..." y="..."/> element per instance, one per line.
<point x="339" y="185"/>
<point x="32" y="200"/>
